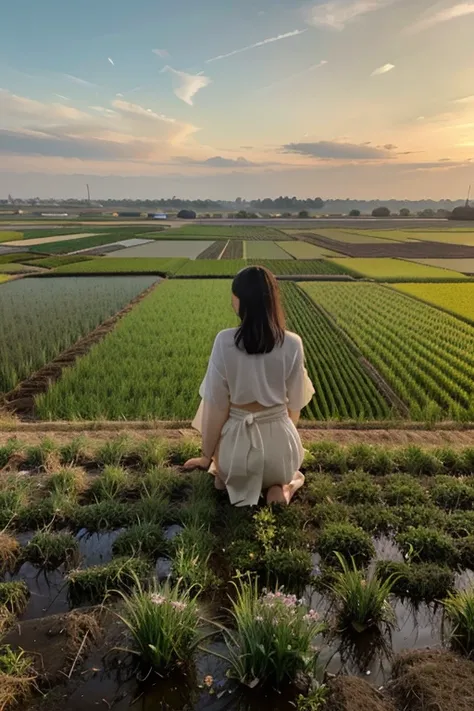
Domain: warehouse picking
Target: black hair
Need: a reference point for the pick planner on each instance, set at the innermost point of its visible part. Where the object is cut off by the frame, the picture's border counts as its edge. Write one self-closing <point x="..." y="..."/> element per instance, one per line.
<point x="261" y="313"/>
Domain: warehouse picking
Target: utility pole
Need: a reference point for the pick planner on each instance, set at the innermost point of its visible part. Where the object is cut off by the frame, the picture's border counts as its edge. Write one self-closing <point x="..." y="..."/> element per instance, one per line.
<point x="468" y="196"/>
<point x="88" y="194"/>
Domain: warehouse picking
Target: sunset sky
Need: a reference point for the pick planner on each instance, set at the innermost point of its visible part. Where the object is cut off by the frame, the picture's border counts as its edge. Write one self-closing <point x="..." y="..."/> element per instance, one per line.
<point x="252" y="98"/>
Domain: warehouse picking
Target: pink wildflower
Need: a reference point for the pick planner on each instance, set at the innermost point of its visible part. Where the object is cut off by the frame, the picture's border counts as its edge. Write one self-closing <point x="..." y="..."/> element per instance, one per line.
<point x="180" y="606"/>
<point x="157" y="599"/>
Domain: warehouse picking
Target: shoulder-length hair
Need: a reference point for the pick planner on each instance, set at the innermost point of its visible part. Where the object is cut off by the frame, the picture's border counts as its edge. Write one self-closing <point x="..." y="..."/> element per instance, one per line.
<point x="261" y="313"/>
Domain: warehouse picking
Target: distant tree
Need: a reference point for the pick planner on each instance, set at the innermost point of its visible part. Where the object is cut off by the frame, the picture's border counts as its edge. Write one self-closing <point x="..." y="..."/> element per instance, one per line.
<point x="428" y="212"/>
<point x="381" y="212"/>
<point x="465" y="212"/>
<point x="354" y="213"/>
<point x="303" y="214"/>
<point x="404" y="212"/>
<point x="238" y="201"/>
<point x="242" y="214"/>
<point x="186" y="215"/>
<point x="287" y="214"/>
<point x="442" y="213"/>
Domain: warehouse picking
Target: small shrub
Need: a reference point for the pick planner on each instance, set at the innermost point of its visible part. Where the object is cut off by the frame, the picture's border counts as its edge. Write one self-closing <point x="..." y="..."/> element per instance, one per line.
<point x="451" y="494"/>
<point x="8" y="450"/>
<point x="42" y="455"/>
<point x="382" y="462"/>
<point x="361" y="600"/>
<point x="362" y="456"/>
<point x="156" y="510"/>
<point x="459" y="615"/>
<point x="74" y="452"/>
<point x="163" y="623"/>
<point x="328" y="457"/>
<point x="107" y="515"/>
<point x="417" y="582"/>
<point x="329" y="512"/>
<point x="9" y="553"/>
<point x="289" y="568"/>
<point x="159" y="481"/>
<point x="113" y="452"/>
<point x="318" y="488"/>
<point x="273" y="637"/>
<point x="94" y="583"/>
<point x="18" y="678"/>
<point x="14" y="596"/>
<point x="418" y="462"/>
<point x="111" y="484"/>
<point x="142" y="538"/>
<point x="373" y="518"/>
<point x="451" y="460"/>
<point x="465" y="547"/>
<point x="468" y="461"/>
<point x="245" y="556"/>
<point x="402" y="489"/>
<point x="346" y="539"/>
<point x="407" y="517"/>
<point x="459" y="524"/>
<point x="315" y="699"/>
<point x="57" y="509"/>
<point x="428" y="545"/>
<point x="67" y="482"/>
<point x="50" y="550"/>
<point x="358" y="488"/>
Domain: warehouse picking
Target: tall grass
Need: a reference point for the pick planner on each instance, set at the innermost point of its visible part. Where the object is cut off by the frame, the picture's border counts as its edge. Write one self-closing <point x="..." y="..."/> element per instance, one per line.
<point x="163" y="623"/>
<point x="459" y="614"/>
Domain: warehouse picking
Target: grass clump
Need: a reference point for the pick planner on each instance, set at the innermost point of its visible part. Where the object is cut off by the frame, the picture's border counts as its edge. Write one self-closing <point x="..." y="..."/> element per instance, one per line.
<point x="67" y="482"/>
<point x="459" y="524"/>
<point x="111" y="485"/>
<point x="428" y="545"/>
<point x="329" y="512"/>
<point x="346" y="539"/>
<point x="402" y="490"/>
<point x="417" y="461"/>
<point x="104" y="516"/>
<point x="8" y="450"/>
<point x="373" y="518"/>
<point x="452" y="494"/>
<point x="273" y="638"/>
<point x="73" y="453"/>
<point x="318" y="488"/>
<point x="143" y="538"/>
<point x="358" y="488"/>
<point x="361" y="600"/>
<point x="17" y="678"/>
<point x="451" y="460"/>
<point x="459" y="616"/>
<point x="156" y="510"/>
<point x="14" y="596"/>
<point x="407" y="517"/>
<point x="94" y="583"/>
<point x="163" y="623"/>
<point x="417" y="582"/>
<point x="9" y="553"/>
<point x="180" y="451"/>
<point x="153" y="452"/>
<point x="113" y="452"/>
<point x="371" y="459"/>
<point x="465" y="548"/>
<point x="50" y="550"/>
<point x="291" y="568"/>
<point x="327" y="457"/>
<point x="192" y="550"/>
<point x="42" y="455"/>
<point x="15" y="495"/>
<point x="162" y="481"/>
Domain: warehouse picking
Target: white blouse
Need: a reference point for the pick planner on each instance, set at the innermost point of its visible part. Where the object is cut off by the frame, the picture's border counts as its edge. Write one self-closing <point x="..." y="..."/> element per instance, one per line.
<point x="275" y="378"/>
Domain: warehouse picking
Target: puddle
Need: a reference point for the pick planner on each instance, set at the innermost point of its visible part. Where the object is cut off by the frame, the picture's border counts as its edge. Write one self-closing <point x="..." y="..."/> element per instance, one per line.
<point x="96" y="548"/>
<point x="173" y="531"/>
<point x="48" y="592"/>
<point x="163" y="568"/>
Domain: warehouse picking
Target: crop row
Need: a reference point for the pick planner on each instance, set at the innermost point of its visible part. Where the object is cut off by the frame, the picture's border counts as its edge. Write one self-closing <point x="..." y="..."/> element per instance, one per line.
<point x="115" y="265"/>
<point x="230" y="267"/>
<point x="39" y="318"/>
<point x="388" y="269"/>
<point x="253" y="232"/>
<point x="455" y="298"/>
<point x="426" y="355"/>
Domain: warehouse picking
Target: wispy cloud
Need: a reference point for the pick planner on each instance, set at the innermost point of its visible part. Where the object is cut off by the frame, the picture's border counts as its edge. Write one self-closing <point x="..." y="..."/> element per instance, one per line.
<point x="465" y="100"/>
<point x="333" y="150"/>
<point x="78" y="80"/>
<point x="217" y="162"/>
<point x="187" y="85"/>
<point x="383" y="70"/>
<point x="295" y="75"/>
<point x="451" y="13"/>
<point x="61" y="96"/>
<point x="262" y="43"/>
<point x="336" y="14"/>
<point x="111" y="61"/>
<point x="163" y="53"/>
<point x="137" y="110"/>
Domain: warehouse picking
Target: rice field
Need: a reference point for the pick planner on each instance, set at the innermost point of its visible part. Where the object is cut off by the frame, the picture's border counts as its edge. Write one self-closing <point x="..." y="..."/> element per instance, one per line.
<point x="362" y="237"/>
<point x="4" y="278"/>
<point x="230" y="267"/>
<point x="264" y="250"/>
<point x="465" y="266"/>
<point x="190" y="249"/>
<point x="39" y="318"/>
<point x="110" y="265"/>
<point x="304" y="250"/>
<point x="386" y="269"/>
<point x="73" y="245"/>
<point x="251" y="232"/>
<point x="447" y="237"/>
<point x="426" y="355"/>
<point x="458" y="299"/>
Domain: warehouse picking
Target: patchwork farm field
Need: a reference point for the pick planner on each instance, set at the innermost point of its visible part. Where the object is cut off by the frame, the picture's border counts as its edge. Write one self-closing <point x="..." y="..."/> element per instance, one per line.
<point x="249" y="232"/>
<point x="39" y="318"/>
<point x="264" y="250"/>
<point x="164" y="248"/>
<point x="362" y="237"/>
<point x="109" y="265"/>
<point x="392" y="269"/>
<point x="465" y="266"/>
<point x="304" y="250"/>
<point x="458" y="299"/>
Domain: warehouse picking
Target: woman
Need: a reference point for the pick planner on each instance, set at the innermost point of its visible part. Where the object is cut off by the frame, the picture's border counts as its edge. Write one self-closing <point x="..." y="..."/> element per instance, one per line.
<point x="255" y="386"/>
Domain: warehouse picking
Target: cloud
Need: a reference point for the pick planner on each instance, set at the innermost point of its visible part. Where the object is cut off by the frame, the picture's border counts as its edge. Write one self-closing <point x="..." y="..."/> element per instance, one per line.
<point x="111" y="61"/>
<point x="451" y="13"/>
<point x="336" y="14"/>
<point x="187" y="85"/>
<point x="119" y="94"/>
<point x="218" y="162"/>
<point x="78" y="80"/>
<point x="383" y="70"/>
<point x="331" y="150"/>
<point x="163" y="53"/>
<point x="181" y="131"/>
<point x="64" y="98"/>
<point x="465" y="100"/>
<point x="262" y="43"/>
<point x="57" y="145"/>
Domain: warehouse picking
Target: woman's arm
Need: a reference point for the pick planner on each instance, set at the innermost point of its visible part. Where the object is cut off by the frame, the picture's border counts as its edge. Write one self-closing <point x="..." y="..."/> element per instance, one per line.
<point x="294" y="415"/>
<point x="209" y="420"/>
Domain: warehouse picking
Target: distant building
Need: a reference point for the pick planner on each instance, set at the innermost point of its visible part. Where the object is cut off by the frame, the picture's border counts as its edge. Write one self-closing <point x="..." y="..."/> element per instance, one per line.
<point x="157" y="216"/>
<point x="130" y="214"/>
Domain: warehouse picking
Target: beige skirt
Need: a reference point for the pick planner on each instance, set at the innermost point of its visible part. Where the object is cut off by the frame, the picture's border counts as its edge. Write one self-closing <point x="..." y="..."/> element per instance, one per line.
<point x="256" y="451"/>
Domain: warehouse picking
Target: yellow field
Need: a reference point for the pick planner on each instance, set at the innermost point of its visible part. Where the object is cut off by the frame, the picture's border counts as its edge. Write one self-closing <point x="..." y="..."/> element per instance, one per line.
<point x="4" y="277"/>
<point x="388" y="268"/>
<point x="304" y="250"/>
<point x="456" y="298"/>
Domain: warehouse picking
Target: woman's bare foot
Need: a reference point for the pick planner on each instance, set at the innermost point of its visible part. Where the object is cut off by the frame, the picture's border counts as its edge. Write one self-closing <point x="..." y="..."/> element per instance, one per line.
<point x="289" y="490"/>
<point x="275" y="495"/>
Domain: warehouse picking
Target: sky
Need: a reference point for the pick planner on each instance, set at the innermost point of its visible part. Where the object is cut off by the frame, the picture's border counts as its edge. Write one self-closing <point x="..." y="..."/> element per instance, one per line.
<point x="217" y="99"/>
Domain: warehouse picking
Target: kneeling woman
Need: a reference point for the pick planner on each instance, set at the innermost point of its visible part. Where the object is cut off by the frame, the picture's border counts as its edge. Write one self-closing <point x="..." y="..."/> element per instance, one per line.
<point x="255" y="386"/>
